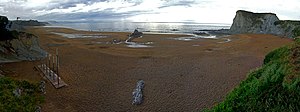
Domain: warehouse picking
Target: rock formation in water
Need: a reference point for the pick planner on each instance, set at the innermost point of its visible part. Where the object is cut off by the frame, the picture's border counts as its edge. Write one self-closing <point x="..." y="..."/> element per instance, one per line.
<point x="263" y="23"/>
<point x="135" y="34"/>
<point x="18" y="46"/>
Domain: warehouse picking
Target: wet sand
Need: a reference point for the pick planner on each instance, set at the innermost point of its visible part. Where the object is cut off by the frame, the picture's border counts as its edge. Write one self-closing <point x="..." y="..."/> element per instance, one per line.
<point x="179" y="75"/>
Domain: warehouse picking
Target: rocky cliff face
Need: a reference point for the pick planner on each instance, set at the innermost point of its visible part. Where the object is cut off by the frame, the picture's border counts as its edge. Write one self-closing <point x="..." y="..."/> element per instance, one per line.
<point x="289" y="28"/>
<point x="261" y="23"/>
<point x="20" y="25"/>
<point x="24" y="47"/>
<point x="248" y="22"/>
<point x="18" y="46"/>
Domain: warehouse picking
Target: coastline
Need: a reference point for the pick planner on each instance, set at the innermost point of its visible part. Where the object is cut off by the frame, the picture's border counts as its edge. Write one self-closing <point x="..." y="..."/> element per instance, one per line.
<point x="177" y="74"/>
<point x="146" y="27"/>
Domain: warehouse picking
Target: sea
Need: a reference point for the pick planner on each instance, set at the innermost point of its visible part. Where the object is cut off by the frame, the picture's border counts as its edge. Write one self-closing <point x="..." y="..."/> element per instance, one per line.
<point x="190" y="29"/>
<point x="150" y="27"/>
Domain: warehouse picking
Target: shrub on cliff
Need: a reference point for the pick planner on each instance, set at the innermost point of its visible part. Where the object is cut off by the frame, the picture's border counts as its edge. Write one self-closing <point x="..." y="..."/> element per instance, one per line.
<point x="3" y="22"/>
<point x="273" y="87"/>
<point x="4" y="33"/>
<point x="19" y="96"/>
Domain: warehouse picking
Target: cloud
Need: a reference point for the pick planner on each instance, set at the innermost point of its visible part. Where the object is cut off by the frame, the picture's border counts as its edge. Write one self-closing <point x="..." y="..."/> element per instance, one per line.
<point x="110" y="10"/>
<point x="186" y="3"/>
<point x="107" y="14"/>
<point x="221" y="11"/>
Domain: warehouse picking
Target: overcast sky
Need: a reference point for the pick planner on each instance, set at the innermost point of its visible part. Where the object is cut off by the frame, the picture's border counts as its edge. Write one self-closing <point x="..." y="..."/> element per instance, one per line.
<point x="204" y="11"/>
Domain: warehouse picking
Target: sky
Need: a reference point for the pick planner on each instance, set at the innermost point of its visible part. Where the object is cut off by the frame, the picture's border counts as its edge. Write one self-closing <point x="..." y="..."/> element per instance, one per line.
<point x="201" y="11"/>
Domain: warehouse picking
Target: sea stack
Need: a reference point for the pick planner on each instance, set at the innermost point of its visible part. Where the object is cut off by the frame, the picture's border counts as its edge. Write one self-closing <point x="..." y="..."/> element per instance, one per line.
<point x="259" y="23"/>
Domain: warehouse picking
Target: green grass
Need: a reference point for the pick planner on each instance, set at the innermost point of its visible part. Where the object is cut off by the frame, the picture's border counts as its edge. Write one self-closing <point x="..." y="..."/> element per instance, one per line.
<point x="273" y="87"/>
<point x="28" y="100"/>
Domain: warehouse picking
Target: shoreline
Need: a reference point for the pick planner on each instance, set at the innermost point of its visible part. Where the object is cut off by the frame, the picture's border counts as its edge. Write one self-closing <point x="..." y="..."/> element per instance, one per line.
<point x="178" y="75"/>
<point x="147" y="27"/>
<point x="146" y="32"/>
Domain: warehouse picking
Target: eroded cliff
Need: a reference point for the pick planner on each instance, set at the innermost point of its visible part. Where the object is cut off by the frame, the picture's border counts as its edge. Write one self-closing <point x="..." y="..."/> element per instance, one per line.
<point x="263" y="23"/>
<point x="18" y="46"/>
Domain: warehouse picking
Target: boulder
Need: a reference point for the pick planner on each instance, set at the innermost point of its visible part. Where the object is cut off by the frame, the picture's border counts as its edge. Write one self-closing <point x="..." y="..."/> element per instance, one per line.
<point x="42" y="87"/>
<point x="137" y="94"/>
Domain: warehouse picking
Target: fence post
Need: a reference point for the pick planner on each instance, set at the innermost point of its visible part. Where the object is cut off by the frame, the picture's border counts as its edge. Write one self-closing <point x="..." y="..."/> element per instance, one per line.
<point x="57" y="66"/>
<point x="48" y="66"/>
<point x="53" y="73"/>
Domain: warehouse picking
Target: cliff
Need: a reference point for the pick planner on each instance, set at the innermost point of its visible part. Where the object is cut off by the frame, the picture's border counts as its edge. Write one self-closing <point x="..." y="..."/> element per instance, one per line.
<point x="18" y="46"/>
<point x="30" y="23"/>
<point x="24" y="47"/>
<point x="290" y="28"/>
<point x="21" y="24"/>
<point x="262" y="23"/>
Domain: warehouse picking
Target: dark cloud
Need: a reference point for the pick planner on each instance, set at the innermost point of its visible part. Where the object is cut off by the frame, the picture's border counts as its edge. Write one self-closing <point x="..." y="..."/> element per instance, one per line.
<point x="185" y="3"/>
<point x="19" y="0"/>
<point x="70" y="10"/>
<point x="107" y="14"/>
<point x="72" y="3"/>
<point x="17" y="10"/>
<point x="65" y="4"/>
<point x="81" y="16"/>
<point x="136" y="2"/>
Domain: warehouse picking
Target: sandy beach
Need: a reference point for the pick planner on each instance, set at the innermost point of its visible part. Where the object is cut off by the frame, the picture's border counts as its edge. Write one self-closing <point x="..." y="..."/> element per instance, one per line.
<point x="179" y="74"/>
